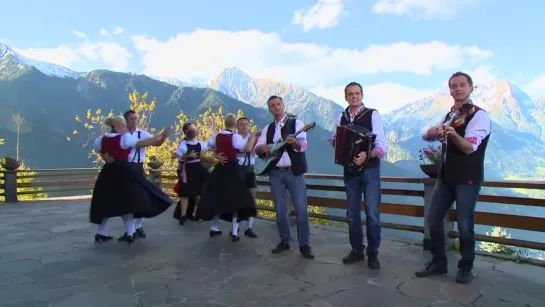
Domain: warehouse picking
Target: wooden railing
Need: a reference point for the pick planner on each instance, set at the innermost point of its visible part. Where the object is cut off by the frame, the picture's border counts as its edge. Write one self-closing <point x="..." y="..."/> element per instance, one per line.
<point x="20" y="185"/>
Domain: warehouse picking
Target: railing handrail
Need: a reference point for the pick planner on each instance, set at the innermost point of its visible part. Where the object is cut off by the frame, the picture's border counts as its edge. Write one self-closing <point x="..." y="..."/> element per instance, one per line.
<point x="513" y="184"/>
<point x="82" y="179"/>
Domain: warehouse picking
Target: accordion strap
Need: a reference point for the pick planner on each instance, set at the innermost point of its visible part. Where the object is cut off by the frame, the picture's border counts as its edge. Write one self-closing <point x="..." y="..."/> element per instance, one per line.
<point x="357" y="116"/>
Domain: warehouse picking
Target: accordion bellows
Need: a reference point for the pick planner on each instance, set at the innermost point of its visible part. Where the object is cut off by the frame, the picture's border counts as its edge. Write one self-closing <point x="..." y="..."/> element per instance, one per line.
<point x="350" y="140"/>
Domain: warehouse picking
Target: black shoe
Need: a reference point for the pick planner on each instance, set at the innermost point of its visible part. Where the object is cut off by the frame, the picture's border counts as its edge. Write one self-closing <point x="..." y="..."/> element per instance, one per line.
<point x="306" y="251"/>
<point x="140" y="233"/>
<point x="353" y="257"/>
<point x="235" y="238"/>
<point x="192" y="218"/>
<point x="214" y="233"/>
<point x="373" y="263"/>
<point x="464" y="277"/>
<point x="281" y="247"/>
<point x="126" y="238"/>
<point x="250" y="233"/>
<point x="432" y="268"/>
<point x="102" y="238"/>
<point x="182" y="220"/>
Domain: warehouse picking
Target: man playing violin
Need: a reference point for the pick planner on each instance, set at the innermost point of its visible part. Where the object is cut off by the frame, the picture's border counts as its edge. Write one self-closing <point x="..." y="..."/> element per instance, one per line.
<point x="464" y="132"/>
<point x="366" y="180"/>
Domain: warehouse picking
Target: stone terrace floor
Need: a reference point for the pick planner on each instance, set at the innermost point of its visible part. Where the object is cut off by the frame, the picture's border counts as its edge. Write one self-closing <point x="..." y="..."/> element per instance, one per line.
<point x="48" y="258"/>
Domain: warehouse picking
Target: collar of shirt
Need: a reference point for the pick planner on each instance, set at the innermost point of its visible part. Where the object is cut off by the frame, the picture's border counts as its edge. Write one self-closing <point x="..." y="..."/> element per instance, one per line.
<point x="191" y="142"/>
<point x="227" y="131"/>
<point x="349" y="114"/>
<point x="280" y="123"/>
<point x="244" y="137"/>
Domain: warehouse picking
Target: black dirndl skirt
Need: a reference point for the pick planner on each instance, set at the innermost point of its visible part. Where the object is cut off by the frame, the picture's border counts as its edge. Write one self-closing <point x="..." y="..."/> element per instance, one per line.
<point x="196" y="176"/>
<point x="225" y="193"/>
<point x="121" y="190"/>
<point x="191" y="203"/>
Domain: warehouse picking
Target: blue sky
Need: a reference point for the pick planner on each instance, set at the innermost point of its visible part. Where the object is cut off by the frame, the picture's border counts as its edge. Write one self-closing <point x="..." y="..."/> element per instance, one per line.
<point x="398" y="49"/>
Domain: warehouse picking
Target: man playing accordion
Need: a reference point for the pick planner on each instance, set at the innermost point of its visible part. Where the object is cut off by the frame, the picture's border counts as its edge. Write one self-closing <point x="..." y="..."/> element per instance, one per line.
<point x="361" y="174"/>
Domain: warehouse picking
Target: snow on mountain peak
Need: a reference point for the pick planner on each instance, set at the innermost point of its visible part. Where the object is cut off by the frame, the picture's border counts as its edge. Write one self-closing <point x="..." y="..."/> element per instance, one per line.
<point x="46" y="68"/>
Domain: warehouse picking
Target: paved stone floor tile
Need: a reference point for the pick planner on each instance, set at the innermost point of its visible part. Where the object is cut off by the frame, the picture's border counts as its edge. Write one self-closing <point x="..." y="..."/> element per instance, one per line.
<point x="48" y="259"/>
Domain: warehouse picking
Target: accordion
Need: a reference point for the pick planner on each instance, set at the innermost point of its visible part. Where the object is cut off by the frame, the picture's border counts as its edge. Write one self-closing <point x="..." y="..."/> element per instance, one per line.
<point x="350" y="140"/>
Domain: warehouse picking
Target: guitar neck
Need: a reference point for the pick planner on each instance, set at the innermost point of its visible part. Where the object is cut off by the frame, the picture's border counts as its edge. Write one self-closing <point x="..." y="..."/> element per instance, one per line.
<point x="284" y="142"/>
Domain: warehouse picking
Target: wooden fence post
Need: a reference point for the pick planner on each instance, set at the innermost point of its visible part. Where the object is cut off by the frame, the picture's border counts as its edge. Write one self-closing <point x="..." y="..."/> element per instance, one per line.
<point x="10" y="186"/>
<point x="429" y="185"/>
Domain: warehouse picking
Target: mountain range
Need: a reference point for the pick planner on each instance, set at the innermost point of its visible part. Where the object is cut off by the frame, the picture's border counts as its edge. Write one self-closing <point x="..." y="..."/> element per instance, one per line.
<point x="48" y="96"/>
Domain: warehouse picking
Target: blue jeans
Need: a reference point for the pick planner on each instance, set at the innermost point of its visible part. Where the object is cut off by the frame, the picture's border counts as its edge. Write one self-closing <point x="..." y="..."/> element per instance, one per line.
<point x="444" y="195"/>
<point x="281" y="182"/>
<point x="368" y="183"/>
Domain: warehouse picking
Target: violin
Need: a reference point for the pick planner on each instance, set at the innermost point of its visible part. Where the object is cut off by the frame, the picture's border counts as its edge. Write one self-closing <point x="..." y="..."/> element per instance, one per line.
<point x="458" y="117"/>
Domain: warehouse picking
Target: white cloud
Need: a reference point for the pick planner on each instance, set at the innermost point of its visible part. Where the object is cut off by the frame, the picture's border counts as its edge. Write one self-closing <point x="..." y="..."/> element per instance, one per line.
<point x="79" y="34"/>
<point x="385" y="97"/>
<point x="62" y="55"/>
<point x="423" y="8"/>
<point x="483" y="75"/>
<point x="536" y="87"/>
<point x="118" y="30"/>
<point x="203" y="54"/>
<point x="324" y="14"/>
<point x="113" y="55"/>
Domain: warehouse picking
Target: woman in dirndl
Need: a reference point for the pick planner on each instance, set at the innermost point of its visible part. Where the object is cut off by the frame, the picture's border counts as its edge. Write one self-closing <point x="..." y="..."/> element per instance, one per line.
<point x="192" y="174"/>
<point x="225" y="195"/>
<point x="120" y="191"/>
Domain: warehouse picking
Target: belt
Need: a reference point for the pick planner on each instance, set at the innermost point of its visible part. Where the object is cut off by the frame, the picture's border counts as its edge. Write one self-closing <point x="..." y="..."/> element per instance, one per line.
<point x="282" y="168"/>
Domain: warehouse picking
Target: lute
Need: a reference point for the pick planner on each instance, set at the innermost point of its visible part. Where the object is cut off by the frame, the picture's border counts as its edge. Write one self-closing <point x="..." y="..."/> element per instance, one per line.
<point x="265" y="164"/>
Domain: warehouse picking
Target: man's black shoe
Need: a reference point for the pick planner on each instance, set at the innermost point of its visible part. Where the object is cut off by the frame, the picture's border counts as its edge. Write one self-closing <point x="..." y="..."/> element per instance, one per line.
<point x="353" y="257"/>
<point x="281" y="247"/>
<point x="431" y="269"/>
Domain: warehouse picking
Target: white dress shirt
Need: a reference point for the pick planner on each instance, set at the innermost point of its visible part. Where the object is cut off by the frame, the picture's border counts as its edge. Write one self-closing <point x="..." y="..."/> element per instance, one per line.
<point x="126" y="141"/>
<point x="182" y="148"/>
<point x="381" y="145"/>
<point x="246" y="158"/>
<point x="478" y="128"/>
<point x="133" y="155"/>
<point x="238" y="141"/>
<point x="285" y="160"/>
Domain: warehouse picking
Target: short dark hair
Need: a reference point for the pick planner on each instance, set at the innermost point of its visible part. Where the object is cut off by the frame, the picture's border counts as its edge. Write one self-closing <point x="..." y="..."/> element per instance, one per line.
<point x="127" y="113"/>
<point x="243" y="117"/>
<point x="186" y="126"/>
<point x="461" y="74"/>
<point x="273" y="97"/>
<point x="353" y="84"/>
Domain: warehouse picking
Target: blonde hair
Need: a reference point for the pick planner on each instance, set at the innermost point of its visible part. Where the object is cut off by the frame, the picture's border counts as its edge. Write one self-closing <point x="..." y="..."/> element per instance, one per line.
<point x="230" y="121"/>
<point x="112" y="121"/>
